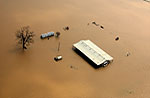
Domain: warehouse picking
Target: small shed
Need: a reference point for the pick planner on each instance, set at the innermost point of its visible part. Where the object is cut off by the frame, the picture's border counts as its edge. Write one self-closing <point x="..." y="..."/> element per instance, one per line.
<point x="92" y="53"/>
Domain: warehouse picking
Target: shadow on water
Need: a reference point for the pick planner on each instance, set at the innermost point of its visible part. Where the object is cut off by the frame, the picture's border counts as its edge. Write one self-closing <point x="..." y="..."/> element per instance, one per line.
<point x="87" y="59"/>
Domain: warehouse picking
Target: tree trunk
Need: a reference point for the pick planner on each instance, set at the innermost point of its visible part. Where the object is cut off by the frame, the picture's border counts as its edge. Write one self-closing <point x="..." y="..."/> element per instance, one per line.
<point x="23" y="43"/>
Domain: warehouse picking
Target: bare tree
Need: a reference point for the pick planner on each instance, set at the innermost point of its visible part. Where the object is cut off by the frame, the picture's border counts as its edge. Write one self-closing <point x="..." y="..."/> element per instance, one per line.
<point x="25" y="36"/>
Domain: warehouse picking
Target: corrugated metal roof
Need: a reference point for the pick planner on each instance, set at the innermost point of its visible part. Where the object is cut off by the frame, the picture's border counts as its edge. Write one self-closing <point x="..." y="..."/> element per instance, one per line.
<point x="93" y="52"/>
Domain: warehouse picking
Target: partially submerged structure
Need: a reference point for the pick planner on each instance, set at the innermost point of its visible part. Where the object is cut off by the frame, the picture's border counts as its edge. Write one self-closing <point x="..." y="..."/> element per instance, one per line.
<point x="57" y="58"/>
<point x="92" y="53"/>
<point x="46" y="35"/>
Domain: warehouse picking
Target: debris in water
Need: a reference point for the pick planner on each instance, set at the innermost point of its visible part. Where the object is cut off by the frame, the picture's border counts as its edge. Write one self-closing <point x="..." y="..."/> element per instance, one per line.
<point x="128" y="53"/>
<point x="130" y="92"/>
<point x="57" y="34"/>
<point x="73" y="67"/>
<point x="95" y="23"/>
<point x="66" y="28"/>
<point x="102" y="27"/>
<point x="117" y="38"/>
<point x="147" y="1"/>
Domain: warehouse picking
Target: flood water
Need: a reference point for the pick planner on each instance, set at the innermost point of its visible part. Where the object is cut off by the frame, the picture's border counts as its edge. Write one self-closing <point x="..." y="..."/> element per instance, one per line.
<point x="34" y="73"/>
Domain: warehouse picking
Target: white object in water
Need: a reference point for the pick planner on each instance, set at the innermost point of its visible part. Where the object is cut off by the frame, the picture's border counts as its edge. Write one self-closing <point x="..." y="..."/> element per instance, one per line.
<point x="59" y="57"/>
<point x="93" y="53"/>
<point x="48" y="34"/>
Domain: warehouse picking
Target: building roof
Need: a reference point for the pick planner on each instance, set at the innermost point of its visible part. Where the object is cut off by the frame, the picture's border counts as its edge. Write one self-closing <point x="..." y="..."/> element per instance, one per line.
<point x="93" y="52"/>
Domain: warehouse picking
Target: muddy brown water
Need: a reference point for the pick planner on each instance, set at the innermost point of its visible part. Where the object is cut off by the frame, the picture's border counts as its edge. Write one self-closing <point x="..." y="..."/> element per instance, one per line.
<point x="34" y="73"/>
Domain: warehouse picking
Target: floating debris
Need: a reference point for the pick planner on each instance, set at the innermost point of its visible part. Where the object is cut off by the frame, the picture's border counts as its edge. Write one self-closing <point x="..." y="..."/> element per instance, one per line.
<point x="57" y="58"/>
<point x="47" y="35"/>
<point x="102" y="27"/>
<point x="130" y="92"/>
<point x="95" y="23"/>
<point x="117" y="38"/>
<point x="66" y="28"/>
<point x="57" y="34"/>
<point x="128" y="53"/>
<point x="73" y="67"/>
<point x="147" y="1"/>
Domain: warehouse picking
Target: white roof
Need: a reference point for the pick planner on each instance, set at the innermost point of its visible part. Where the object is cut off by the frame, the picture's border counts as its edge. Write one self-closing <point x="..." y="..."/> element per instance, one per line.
<point x="93" y="52"/>
<point x="47" y="34"/>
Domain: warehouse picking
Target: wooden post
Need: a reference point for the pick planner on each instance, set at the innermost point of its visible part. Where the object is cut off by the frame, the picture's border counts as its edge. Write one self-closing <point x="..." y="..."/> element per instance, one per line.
<point x="58" y="46"/>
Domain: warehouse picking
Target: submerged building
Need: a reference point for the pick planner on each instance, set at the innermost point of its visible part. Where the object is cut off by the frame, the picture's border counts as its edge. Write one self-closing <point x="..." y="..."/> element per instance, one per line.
<point x="92" y="53"/>
<point x="46" y="35"/>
